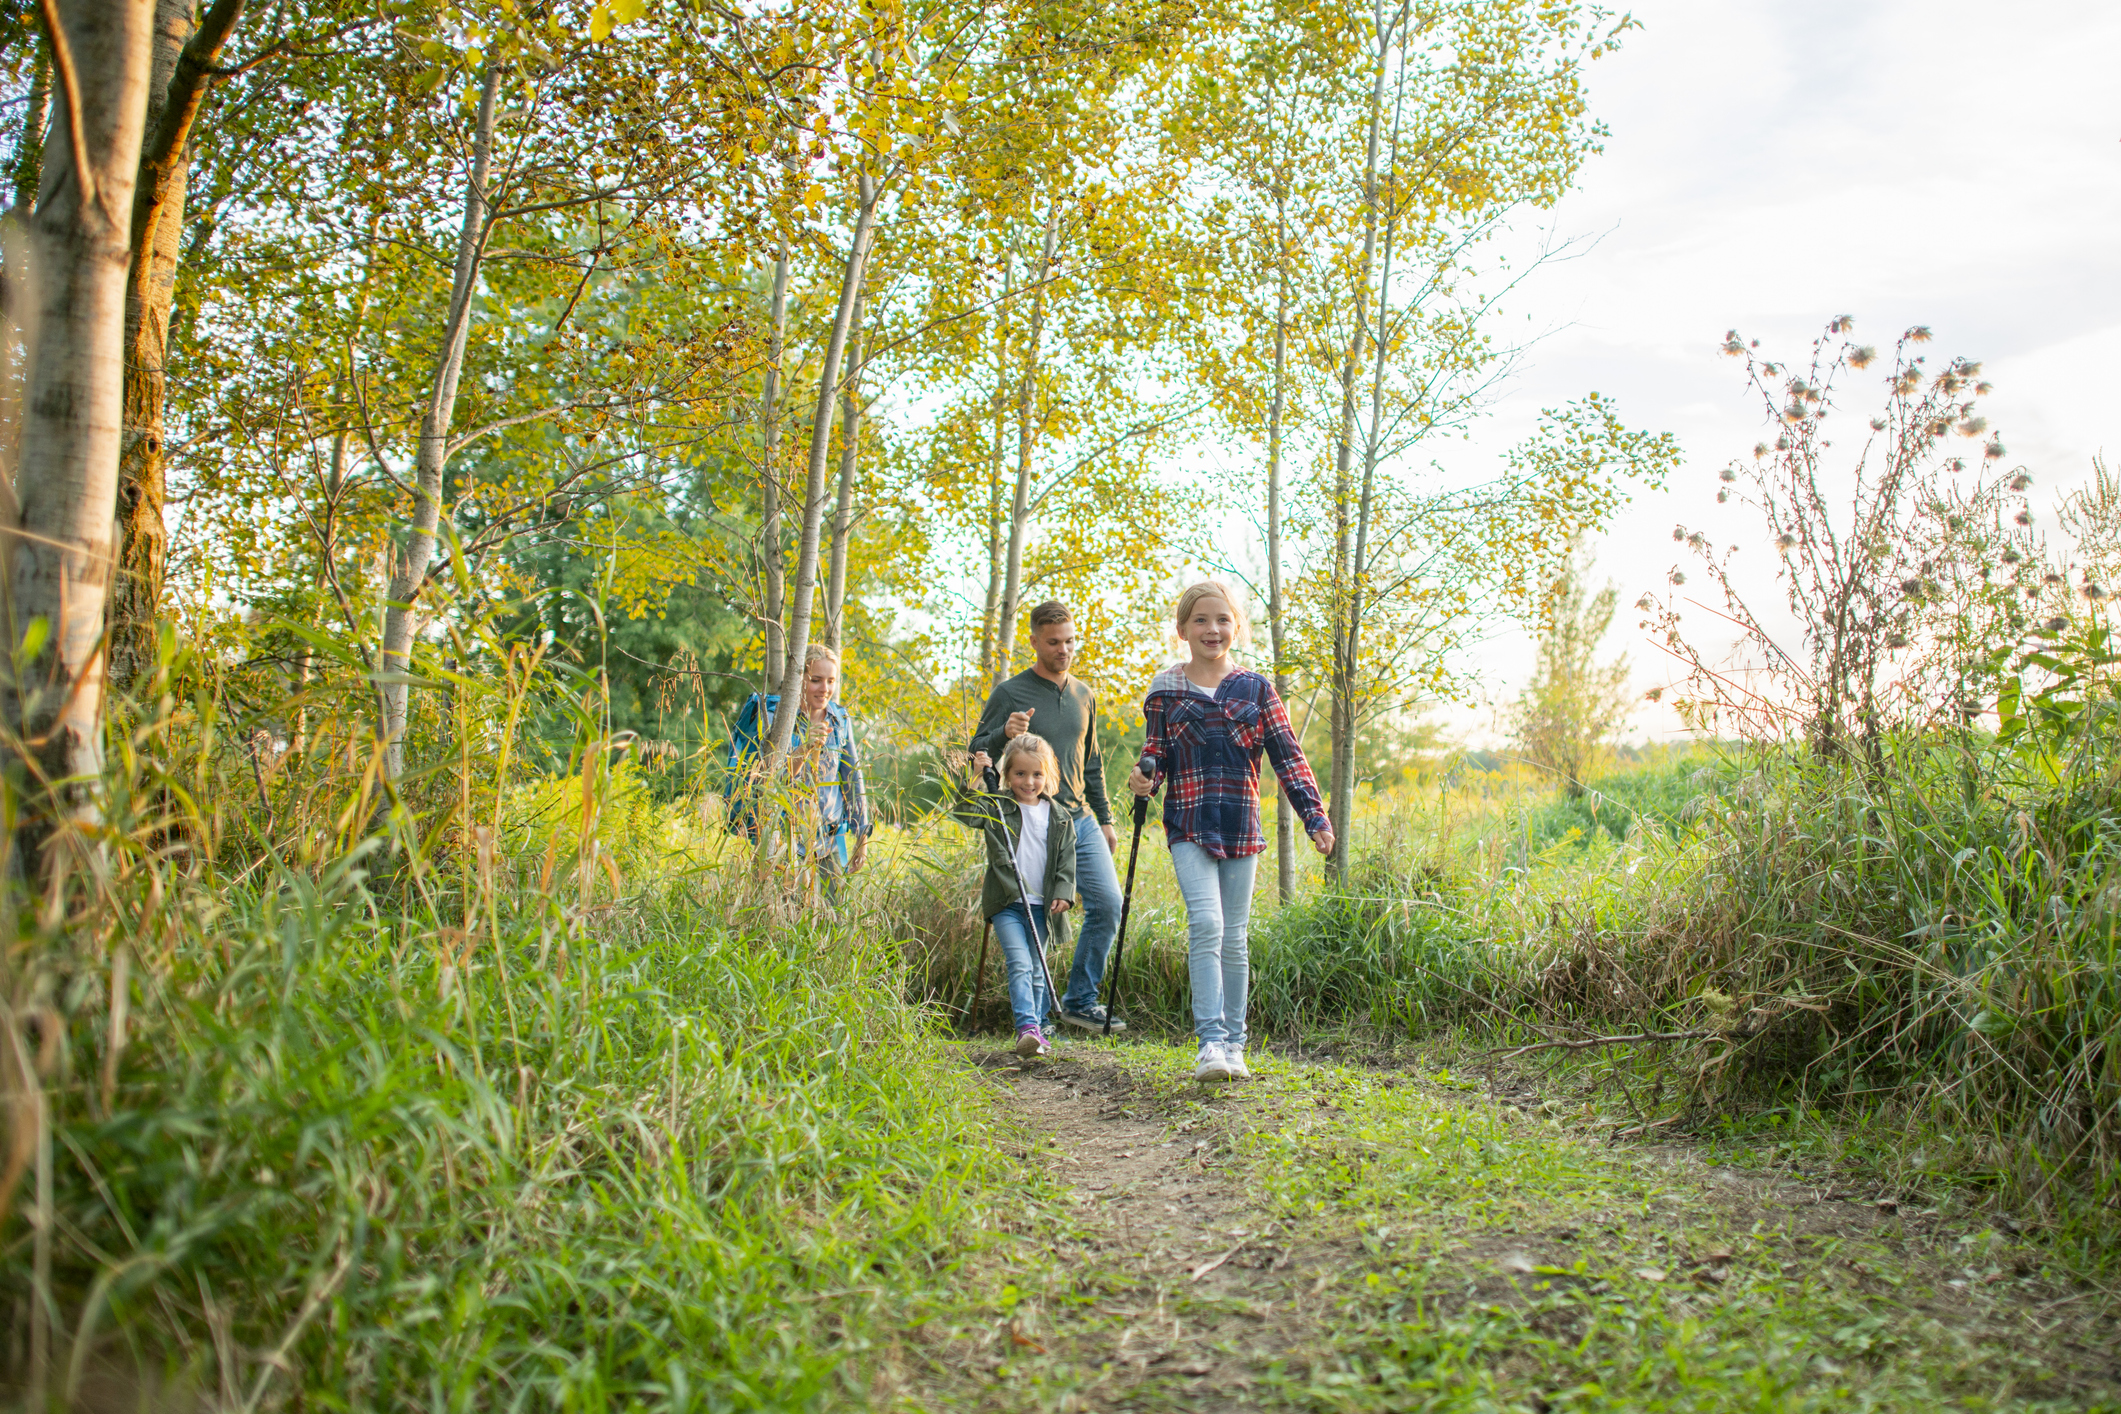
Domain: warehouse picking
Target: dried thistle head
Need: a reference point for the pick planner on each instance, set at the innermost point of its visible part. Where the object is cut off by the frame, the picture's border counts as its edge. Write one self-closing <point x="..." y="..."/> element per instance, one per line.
<point x="1972" y="426"/>
<point x="2023" y="518"/>
<point x="1679" y="532"/>
<point x="1920" y="334"/>
<point x="1877" y="424"/>
<point x="1862" y="356"/>
<point x="1841" y="324"/>
<point x="2021" y="481"/>
<point x="1760" y="449"/>
<point x="1993" y="451"/>
<point x="2050" y="579"/>
<point x="1727" y="474"/>
<point x="1785" y="542"/>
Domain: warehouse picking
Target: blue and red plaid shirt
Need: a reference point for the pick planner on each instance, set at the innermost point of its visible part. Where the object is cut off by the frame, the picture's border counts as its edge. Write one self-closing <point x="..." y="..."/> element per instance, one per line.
<point x="1207" y="749"/>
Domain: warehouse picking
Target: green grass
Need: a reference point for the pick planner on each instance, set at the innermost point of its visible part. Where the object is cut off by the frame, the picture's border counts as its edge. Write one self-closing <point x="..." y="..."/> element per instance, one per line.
<point x="665" y="1161"/>
<point x="1514" y="1262"/>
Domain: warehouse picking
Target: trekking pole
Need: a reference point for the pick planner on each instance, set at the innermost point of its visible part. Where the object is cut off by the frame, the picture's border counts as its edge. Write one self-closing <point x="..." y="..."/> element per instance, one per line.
<point x="1126" y="906"/>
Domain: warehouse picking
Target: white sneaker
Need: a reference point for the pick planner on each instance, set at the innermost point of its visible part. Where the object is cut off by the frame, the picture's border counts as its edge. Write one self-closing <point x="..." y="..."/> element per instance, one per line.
<point x="1209" y="1064"/>
<point x="1234" y="1059"/>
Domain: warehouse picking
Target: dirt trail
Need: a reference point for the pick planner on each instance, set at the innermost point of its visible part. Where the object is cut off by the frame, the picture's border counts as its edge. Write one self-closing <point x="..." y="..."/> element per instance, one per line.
<point x="1166" y="1285"/>
<point x="1196" y="1296"/>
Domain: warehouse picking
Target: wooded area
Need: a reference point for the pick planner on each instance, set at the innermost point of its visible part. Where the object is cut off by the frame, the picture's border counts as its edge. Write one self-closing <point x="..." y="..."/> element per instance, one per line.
<point x="709" y="333"/>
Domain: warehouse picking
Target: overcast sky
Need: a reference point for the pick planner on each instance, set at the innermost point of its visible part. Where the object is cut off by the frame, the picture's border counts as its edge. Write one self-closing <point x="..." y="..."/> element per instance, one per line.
<point x="1951" y="164"/>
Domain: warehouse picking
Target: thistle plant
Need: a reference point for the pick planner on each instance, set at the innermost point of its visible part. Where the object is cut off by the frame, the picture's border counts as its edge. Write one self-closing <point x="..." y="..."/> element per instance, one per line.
<point x="1905" y="553"/>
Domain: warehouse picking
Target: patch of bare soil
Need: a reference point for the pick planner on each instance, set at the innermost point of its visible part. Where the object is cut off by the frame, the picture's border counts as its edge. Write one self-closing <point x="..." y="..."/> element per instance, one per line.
<point x="1173" y="1292"/>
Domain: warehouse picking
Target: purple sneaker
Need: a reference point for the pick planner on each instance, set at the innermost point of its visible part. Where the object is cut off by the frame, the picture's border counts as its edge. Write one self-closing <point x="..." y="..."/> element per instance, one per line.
<point x="1031" y="1042"/>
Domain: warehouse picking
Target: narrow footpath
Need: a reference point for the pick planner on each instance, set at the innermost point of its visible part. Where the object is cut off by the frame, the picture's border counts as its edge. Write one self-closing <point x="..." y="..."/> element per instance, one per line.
<point x="1339" y="1237"/>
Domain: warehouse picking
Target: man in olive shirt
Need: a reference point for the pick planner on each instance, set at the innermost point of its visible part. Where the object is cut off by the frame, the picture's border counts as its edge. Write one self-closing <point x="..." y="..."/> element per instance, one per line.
<point x="1063" y="710"/>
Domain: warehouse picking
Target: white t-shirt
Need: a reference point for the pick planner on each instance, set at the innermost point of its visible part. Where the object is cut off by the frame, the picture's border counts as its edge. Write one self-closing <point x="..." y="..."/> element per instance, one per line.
<point x="1031" y="851"/>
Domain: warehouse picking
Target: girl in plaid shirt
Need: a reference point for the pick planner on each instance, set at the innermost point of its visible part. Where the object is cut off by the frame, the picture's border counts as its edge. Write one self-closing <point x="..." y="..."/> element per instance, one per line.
<point x="1208" y="720"/>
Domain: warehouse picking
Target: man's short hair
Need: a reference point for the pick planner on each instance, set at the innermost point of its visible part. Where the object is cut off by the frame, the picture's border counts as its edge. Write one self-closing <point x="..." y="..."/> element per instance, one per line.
<point x="1053" y="611"/>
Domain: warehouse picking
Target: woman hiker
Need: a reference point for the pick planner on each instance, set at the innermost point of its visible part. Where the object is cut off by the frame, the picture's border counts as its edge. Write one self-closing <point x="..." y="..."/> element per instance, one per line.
<point x="1208" y="720"/>
<point x="829" y="800"/>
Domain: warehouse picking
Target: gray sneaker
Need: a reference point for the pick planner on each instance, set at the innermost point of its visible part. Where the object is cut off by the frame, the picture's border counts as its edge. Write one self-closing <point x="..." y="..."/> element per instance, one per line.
<point x="1209" y="1064"/>
<point x="1090" y="1018"/>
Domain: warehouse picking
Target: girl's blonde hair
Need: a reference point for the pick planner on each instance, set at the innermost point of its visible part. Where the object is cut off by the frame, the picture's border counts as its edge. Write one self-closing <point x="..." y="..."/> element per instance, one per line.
<point x="1210" y="589"/>
<point x="819" y="653"/>
<point x="1035" y="746"/>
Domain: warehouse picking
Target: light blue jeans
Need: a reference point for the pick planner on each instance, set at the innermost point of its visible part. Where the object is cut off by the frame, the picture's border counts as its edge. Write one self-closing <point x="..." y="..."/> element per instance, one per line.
<point x="1014" y="929"/>
<point x="1097" y="895"/>
<point x="1218" y="894"/>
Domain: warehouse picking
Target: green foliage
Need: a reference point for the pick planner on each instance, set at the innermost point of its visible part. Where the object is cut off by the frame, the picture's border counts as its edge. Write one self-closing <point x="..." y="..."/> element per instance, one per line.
<point x="661" y="1161"/>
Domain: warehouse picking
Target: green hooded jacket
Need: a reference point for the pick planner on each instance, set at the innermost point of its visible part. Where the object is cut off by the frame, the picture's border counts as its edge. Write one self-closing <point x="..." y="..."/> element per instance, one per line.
<point x="989" y="812"/>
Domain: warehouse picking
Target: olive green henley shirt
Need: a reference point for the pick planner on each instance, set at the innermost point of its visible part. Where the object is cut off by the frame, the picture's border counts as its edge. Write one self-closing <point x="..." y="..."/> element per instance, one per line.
<point x="1065" y="714"/>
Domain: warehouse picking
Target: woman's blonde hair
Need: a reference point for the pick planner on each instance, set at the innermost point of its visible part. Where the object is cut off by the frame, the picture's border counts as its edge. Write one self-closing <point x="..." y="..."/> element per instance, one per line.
<point x="819" y="653"/>
<point x="1033" y="745"/>
<point x="1210" y="589"/>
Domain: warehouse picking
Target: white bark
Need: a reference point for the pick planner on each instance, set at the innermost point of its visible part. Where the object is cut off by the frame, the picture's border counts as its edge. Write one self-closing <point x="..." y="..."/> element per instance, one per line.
<point x="806" y="554"/>
<point x="772" y="567"/>
<point x="400" y="614"/>
<point x="1284" y="822"/>
<point x="57" y="540"/>
<point x="1345" y="647"/>
<point x="1026" y="446"/>
<point x="843" y="513"/>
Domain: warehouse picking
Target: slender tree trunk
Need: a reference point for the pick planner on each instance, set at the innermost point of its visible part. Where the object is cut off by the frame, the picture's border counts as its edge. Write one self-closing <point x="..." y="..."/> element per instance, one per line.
<point x="843" y="512"/>
<point x="57" y="541"/>
<point x="1026" y="445"/>
<point x="800" y="602"/>
<point x="990" y="620"/>
<point x="1341" y="807"/>
<point x="771" y="563"/>
<point x="1351" y="710"/>
<point x="23" y="170"/>
<point x="183" y="70"/>
<point x="29" y="150"/>
<point x="1284" y="821"/>
<point x="400" y="614"/>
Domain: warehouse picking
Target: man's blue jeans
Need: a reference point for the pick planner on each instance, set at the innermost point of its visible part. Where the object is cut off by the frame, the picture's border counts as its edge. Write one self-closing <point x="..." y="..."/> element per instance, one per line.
<point x="1020" y="937"/>
<point x="1097" y="886"/>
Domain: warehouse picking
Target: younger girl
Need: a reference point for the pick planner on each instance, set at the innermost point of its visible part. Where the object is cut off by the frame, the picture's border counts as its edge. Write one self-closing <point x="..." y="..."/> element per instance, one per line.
<point x="1208" y="720"/>
<point x="1027" y="839"/>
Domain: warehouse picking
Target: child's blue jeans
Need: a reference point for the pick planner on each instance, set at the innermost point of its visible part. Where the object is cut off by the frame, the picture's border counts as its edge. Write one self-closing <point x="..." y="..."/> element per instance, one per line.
<point x="1018" y="934"/>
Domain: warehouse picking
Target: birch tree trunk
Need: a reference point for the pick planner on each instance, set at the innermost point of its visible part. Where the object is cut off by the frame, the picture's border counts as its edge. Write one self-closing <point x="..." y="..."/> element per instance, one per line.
<point x="23" y="173"/>
<point x="806" y="554"/>
<point x="181" y="74"/>
<point x="400" y="615"/>
<point x="1342" y="801"/>
<point x="843" y="512"/>
<point x="1026" y="445"/>
<point x="1284" y="822"/>
<point x="990" y="618"/>
<point x="770" y="563"/>
<point x="57" y="531"/>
